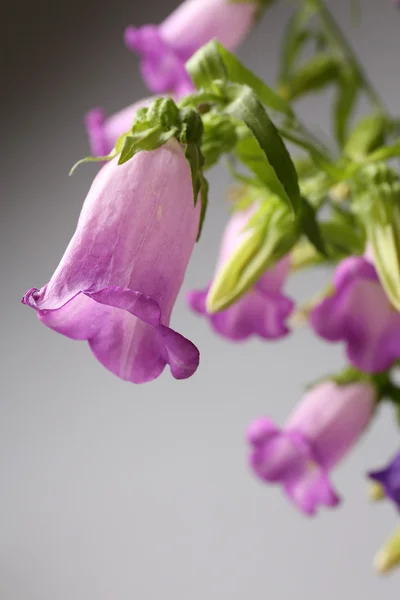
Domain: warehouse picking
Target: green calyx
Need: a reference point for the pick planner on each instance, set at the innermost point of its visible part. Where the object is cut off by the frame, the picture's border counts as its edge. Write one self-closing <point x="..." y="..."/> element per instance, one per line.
<point x="268" y="236"/>
<point x="377" y="202"/>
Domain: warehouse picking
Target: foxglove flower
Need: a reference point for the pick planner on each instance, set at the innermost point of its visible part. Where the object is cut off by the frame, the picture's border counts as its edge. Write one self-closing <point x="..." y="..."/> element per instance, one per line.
<point x="104" y="132"/>
<point x="118" y="280"/>
<point x="320" y="432"/>
<point x="389" y="479"/>
<point x="263" y="310"/>
<point x="360" y="314"/>
<point x="165" y="48"/>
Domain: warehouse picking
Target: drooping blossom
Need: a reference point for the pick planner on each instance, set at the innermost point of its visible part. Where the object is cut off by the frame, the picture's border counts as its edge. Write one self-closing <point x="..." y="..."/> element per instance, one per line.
<point x="263" y="310"/>
<point x="360" y="314"/>
<point x="165" y="48"/>
<point x="321" y="431"/>
<point x="103" y="132"/>
<point x="118" y="280"/>
<point x="389" y="479"/>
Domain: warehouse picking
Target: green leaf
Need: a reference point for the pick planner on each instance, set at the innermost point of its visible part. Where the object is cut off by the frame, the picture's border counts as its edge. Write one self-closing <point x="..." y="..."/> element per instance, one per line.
<point x="368" y="135"/>
<point x="206" y="66"/>
<point x="238" y="73"/>
<point x="151" y="139"/>
<point x="315" y="74"/>
<point x="319" y="157"/>
<point x="341" y="238"/>
<point x="348" y="88"/>
<point x="385" y="153"/>
<point x="310" y="227"/>
<point x="246" y="107"/>
<point x="295" y="37"/>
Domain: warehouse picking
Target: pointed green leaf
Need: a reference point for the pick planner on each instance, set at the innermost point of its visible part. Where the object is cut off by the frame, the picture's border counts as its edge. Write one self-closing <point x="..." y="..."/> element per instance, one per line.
<point x="385" y="153"/>
<point x="347" y="93"/>
<point x="238" y="73"/>
<point x="310" y="226"/>
<point x="246" y="107"/>
<point x="295" y="36"/>
<point x="315" y="74"/>
<point x="368" y="135"/>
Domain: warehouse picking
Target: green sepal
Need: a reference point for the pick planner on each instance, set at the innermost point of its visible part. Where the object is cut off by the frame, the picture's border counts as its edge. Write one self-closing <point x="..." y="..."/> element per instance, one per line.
<point x="191" y="126"/>
<point x="270" y="234"/>
<point x="195" y="159"/>
<point x="377" y="201"/>
<point x="367" y="135"/>
<point x="246" y="107"/>
<point x="219" y="137"/>
<point x="150" y="139"/>
<point x="204" y="203"/>
<point x="93" y="159"/>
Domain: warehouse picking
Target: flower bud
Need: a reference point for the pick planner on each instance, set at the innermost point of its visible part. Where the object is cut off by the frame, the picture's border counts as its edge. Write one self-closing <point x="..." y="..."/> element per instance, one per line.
<point x="269" y="236"/>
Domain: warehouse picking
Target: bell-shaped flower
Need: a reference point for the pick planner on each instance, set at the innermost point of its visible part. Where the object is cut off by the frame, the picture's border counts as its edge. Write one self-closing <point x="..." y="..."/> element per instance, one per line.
<point x="263" y="310"/>
<point x="103" y="132"/>
<point x="360" y="314"/>
<point x="321" y="431"/>
<point x="117" y="282"/>
<point x="165" y="48"/>
<point x="389" y="479"/>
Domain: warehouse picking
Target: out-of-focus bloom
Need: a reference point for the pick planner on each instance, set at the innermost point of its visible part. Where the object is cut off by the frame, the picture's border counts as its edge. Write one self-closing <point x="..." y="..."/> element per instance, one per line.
<point x="388" y="556"/>
<point x="103" y="132"/>
<point x="263" y="310"/>
<point x="320" y="432"/>
<point x="360" y="314"/>
<point x="165" y="48"/>
<point x="389" y="479"/>
<point x="118" y="280"/>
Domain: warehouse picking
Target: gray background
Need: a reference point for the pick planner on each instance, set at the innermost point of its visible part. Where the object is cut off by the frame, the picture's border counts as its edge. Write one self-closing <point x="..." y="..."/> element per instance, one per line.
<point x="111" y="491"/>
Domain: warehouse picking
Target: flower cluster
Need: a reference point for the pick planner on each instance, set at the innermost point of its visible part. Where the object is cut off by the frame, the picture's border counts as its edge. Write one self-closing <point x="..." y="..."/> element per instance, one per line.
<point x="118" y="280"/>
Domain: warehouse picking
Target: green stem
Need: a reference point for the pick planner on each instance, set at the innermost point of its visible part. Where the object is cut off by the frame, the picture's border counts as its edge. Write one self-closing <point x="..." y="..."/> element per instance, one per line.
<point x="339" y="41"/>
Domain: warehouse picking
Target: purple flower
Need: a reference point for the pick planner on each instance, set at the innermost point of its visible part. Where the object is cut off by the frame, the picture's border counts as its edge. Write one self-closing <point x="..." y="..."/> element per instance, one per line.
<point x="360" y="314"/>
<point x="165" y="48"/>
<point x="103" y="132"/>
<point x="389" y="478"/>
<point x="320" y="432"/>
<point x="118" y="280"/>
<point x="263" y="310"/>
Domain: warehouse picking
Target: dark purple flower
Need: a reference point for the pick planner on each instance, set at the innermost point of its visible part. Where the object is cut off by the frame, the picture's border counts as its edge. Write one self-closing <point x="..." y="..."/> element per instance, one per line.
<point x="360" y="314"/>
<point x="389" y="479"/>
<point x="165" y="48"/>
<point x="321" y="431"/>
<point x="263" y="310"/>
<point x="118" y="280"/>
<point x="103" y="132"/>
